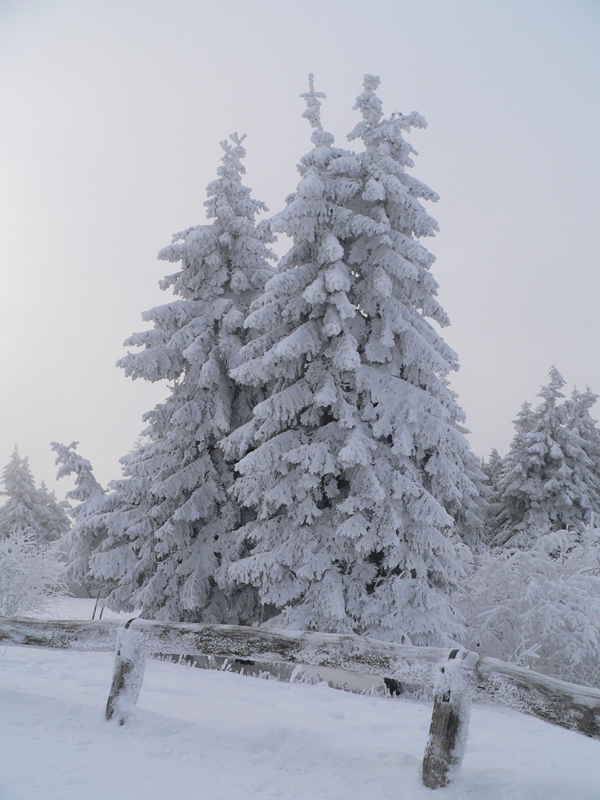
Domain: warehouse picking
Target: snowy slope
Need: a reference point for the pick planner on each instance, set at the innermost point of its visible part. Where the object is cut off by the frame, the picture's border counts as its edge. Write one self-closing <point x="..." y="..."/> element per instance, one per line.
<point x="222" y="736"/>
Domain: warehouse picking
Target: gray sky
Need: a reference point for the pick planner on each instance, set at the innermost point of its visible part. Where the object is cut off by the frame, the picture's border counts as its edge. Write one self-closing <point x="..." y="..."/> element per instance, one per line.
<point x="110" y="118"/>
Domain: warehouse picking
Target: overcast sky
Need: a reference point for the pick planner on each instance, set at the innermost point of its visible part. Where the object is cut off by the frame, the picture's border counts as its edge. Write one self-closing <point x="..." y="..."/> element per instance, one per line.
<point x="110" y="117"/>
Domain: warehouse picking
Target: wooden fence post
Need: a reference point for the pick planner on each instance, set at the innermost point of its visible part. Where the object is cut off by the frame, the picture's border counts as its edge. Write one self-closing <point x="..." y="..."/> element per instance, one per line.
<point x="128" y="673"/>
<point x="449" y="727"/>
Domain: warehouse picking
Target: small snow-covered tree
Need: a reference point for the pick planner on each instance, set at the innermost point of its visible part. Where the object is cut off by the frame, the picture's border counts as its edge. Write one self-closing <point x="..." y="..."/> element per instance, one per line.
<point x="500" y="509"/>
<point x="31" y="573"/>
<point x="356" y="462"/>
<point x="57" y="512"/>
<point x="492" y="468"/>
<point x="549" y="480"/>
<point x="538" y="606"/>
<point x="169" y="521"/>
<point x="88" y="530"/>
<point x="28" y="509"/>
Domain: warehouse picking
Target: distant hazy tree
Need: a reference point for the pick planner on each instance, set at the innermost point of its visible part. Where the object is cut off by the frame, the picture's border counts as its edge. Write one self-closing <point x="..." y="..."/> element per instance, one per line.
<point x="549" y="480"/>
<point x="579" y="420"/>
<point x="170" y="520"/>
<point x="492" y="468"/>
<point x="57" y="512"/>
<point x="35" y="512"/>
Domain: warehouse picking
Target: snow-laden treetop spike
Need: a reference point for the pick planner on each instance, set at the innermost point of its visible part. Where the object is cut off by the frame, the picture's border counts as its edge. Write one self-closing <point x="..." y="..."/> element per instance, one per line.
<point x="371" y="82"/>
<point x="313" y="114"/>
<point x="232" y="159"/>
<point x="238" y="151"/>
<point x="552" y="390"/>
<point x="367" y="102"/>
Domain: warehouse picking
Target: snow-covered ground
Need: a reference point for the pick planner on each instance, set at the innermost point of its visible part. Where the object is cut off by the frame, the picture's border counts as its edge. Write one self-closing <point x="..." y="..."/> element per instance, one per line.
<point x="222" y="736"/>
<point x="78" y="608"/>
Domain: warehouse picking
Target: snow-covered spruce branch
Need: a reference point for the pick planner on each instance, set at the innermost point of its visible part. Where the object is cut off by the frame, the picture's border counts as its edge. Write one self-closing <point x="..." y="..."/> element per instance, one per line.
<point x="538" y="607"/>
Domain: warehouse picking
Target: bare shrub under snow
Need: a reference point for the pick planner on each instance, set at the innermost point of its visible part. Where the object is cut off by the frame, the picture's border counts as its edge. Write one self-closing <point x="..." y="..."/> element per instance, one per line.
<point x="538" y="607"/>
<point x="30" y="574"/>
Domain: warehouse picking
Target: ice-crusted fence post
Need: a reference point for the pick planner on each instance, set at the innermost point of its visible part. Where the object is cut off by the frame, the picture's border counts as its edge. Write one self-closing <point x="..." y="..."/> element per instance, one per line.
<point x="128" y="673"/>
<point x="449" y="727"/>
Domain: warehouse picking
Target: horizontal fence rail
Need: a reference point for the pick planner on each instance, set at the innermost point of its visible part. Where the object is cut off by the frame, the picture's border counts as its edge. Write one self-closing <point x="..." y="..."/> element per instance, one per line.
<point x="568" y="705"/>
<point x="341" y="651"/>
<point x="456" y="674"/>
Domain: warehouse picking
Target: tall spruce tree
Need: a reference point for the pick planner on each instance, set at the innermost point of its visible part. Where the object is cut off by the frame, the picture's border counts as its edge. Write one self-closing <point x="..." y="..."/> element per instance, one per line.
<point x="355" y="463"/>
<point x="169" y="521"/>
<point x="398" y="294"/>
<point x="549" y="480"/>
<point x="28" y="509"/>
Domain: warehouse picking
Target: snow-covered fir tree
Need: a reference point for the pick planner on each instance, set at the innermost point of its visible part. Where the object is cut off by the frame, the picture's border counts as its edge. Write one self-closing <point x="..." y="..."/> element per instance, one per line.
<point x="355" y="464"/>
<point x="398" y="294"/>
<point x="169" y="521"/>
<point x="549" y="480"/>
<point x="28" y="509"/>
<point x="88" y="529"/>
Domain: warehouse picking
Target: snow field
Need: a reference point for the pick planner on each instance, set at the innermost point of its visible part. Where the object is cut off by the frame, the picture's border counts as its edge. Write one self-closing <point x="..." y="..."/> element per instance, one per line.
<point x="222" y="736"/>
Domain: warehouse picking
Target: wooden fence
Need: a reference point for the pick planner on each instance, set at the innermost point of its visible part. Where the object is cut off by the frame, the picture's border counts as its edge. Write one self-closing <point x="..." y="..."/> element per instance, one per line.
<point x="457" y="675"/>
